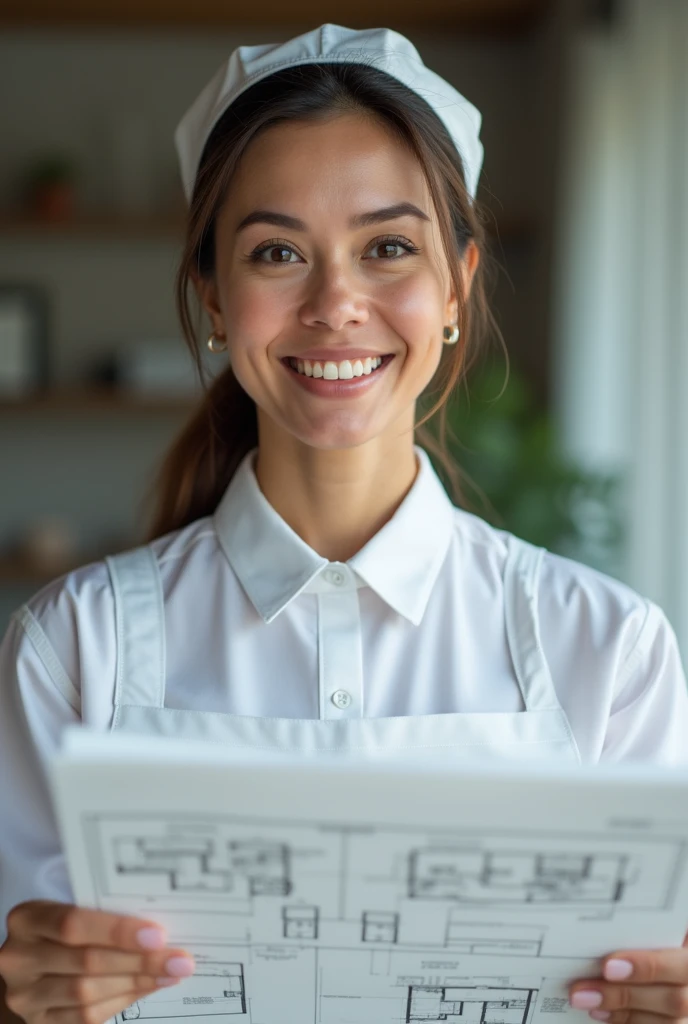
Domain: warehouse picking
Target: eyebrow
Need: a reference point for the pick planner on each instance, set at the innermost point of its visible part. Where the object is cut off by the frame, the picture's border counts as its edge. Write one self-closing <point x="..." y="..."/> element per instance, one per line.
<point x="361" y="220"/>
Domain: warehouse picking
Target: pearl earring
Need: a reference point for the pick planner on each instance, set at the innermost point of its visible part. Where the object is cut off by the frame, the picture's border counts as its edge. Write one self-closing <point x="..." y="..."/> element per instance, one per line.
<point x="451" y="335"/>
<point x="214" y="347"/>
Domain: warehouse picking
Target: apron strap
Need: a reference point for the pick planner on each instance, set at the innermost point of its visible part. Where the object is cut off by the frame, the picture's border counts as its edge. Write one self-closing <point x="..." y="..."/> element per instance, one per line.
<point x="521" y="580"/>
<point x="140" y="625"/>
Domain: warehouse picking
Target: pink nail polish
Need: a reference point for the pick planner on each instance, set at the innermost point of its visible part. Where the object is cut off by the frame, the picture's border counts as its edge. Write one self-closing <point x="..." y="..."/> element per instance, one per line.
<point x="179" y="966"/>
<point x="618" y="970"/>
<point x="150" y="938"/>
<point x="586" y="999"/>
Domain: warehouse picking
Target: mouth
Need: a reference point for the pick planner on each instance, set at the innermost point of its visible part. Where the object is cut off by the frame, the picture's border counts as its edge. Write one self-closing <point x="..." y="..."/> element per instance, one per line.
<point x="345" y="369"/>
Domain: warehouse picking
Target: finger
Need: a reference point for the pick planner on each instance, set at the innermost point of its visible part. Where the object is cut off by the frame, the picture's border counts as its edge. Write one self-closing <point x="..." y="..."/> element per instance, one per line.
<point x="630" y="1017"/>
<point x="662" y="1000"/>
<point x="648" y="966"/>
<point x="82" y="926"/>
<point x="96" y="1013"/>
<point x="56" y="991"/>
<point x="47" y="957"/>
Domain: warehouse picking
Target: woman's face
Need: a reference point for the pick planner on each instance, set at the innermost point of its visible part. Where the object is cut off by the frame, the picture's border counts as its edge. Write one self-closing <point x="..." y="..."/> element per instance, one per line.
<point x="333" y="311"/>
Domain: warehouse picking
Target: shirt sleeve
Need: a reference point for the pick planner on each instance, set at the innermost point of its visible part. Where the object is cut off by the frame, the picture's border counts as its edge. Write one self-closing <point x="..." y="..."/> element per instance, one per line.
<point x="648" y="719"/>
<point x="37" y="701"/>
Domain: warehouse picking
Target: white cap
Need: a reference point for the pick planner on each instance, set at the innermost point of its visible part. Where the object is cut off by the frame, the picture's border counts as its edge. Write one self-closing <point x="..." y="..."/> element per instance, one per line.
<point x="378" y="47"/>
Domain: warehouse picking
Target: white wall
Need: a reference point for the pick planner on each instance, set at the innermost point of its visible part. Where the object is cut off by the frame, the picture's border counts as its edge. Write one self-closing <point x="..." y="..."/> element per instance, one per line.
<point x="622" y="323"/>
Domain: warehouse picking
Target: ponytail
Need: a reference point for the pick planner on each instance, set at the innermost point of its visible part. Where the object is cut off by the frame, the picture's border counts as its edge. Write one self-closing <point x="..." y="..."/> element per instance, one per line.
<point x="202" y="460"/>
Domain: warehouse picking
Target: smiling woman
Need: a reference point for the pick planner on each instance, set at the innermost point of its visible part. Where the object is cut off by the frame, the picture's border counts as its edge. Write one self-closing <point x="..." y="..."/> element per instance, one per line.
<point x="383" y="258"/>
<point x="308" y="586"/>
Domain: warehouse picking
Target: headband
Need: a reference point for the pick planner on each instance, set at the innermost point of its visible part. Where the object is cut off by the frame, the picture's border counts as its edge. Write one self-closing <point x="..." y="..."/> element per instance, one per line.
<point x="381" y="48"/>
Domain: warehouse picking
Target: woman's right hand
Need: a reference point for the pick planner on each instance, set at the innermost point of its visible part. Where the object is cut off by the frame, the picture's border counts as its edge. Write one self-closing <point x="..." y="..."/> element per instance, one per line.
<point x="69" y="965"/>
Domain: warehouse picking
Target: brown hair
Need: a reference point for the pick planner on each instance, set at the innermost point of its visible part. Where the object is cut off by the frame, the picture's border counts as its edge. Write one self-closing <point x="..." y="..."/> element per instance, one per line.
<point x="203" y="458"/>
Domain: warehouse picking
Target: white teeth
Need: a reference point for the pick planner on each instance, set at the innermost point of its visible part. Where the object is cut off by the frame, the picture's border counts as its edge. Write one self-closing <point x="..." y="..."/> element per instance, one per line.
<point x="346" y="370"/>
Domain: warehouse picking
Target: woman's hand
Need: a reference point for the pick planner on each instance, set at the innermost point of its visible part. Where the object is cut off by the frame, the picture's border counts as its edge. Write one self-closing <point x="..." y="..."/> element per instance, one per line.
<point x="639" y="987"/>
<point x="77" y="966"/>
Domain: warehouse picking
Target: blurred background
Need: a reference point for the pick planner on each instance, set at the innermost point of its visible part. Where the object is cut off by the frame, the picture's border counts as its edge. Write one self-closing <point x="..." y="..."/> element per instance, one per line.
<point x="585" y="127"/>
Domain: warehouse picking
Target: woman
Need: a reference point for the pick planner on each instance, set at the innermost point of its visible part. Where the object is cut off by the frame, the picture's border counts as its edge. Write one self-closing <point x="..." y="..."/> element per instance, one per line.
<point x="308" y="585"/>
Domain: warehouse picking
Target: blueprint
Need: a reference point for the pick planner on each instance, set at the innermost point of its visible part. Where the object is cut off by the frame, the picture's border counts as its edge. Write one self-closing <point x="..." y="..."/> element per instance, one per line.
<point x="376" y="894"/>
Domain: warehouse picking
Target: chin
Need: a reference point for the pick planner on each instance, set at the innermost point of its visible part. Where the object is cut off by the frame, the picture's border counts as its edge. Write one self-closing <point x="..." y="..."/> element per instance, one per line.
<point x="333" y="437"/>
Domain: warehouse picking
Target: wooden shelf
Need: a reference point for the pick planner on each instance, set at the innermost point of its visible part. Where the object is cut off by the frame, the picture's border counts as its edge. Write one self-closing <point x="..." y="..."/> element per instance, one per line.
<point x="96" y="400"/>
<point x="494" y="16"/>
<point x="94" y="226"/>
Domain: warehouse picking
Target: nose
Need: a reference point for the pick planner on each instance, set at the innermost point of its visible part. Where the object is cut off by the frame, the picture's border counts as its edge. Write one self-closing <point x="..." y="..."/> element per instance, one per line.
<point x="334" y="299"/>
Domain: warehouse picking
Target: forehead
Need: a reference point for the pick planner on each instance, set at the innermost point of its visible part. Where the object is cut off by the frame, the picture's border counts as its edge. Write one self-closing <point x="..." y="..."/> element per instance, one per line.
<point x="349" y="162"/>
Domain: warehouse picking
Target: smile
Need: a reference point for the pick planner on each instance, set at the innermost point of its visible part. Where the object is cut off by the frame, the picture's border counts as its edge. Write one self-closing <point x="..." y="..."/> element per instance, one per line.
<point x="345" y="370"/>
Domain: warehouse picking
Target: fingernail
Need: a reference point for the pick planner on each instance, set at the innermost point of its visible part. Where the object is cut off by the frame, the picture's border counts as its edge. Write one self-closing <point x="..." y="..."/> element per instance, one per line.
<point x="162" y="982"/>
<point x="586" y="1000"/>
<point x="599" y="1014"/>
<point x="617" y="970"/>
<point x="179" y="966"/>
<point x="150" y="938"/>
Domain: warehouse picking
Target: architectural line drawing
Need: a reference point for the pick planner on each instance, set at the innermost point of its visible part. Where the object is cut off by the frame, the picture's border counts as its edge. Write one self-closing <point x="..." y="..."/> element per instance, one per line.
<point x="517" y="877"/>
<point x="300" y="922"/>
<point x="469" y="1004"/>
<point x="216" y="989"/>
<point x="307" y="902"/>
<point x="192" y="865"/>
<point x="380" y="926"/>
<point x="479" y="939"/>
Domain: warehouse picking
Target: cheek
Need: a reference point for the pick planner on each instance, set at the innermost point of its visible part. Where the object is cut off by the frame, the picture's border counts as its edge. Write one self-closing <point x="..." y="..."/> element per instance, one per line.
<point x="415" y="313"/>
<point x="255" y="317"/>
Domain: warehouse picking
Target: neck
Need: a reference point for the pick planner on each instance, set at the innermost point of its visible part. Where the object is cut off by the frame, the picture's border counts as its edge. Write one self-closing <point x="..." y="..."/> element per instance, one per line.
<point x="336" y="501"/>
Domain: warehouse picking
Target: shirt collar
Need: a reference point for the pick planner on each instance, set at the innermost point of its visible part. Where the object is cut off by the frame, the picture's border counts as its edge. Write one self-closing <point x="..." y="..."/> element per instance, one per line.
<point x="274" y="565"/>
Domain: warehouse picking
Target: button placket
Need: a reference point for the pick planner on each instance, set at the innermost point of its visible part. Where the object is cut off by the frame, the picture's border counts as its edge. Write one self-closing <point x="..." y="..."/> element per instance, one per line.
<point x="340" y="656"/>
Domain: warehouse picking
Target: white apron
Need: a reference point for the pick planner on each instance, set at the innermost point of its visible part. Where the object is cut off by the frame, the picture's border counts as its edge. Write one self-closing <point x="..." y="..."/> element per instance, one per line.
<point x="540" y="731"/>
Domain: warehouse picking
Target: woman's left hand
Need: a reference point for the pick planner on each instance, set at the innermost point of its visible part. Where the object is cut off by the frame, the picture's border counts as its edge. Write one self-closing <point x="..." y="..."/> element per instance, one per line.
<point x="637" y="987"/>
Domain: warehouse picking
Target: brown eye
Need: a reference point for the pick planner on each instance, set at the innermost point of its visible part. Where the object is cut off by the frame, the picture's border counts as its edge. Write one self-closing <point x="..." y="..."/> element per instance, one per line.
<point x="283" y="251"/>
<point x="386" y="246"/>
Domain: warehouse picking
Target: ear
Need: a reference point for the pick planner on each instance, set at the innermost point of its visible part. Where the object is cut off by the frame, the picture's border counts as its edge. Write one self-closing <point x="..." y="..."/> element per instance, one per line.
<point x="207" y="293"/>
<point x="469" y="265"/>
<point x="467" y="268"/>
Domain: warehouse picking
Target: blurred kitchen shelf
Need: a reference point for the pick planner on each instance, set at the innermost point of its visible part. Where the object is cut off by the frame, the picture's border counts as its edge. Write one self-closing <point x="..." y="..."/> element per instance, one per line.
<point x="94" y="226"/>
<point x="505" y="229"/>
<point x="96" y="400"/>
<point x="494" y="16"/>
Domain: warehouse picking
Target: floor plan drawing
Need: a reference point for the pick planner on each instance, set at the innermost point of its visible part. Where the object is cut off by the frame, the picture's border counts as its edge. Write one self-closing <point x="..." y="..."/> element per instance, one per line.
<point x="518" y="877"/>
<point x="374" y="896"/>
<point x="188" y="863"/>
<point x="470" y="1004"/>
<point x="380" y="927"/>
<point x="234" y="862"/>
<point x="471" y="937"/>
<point x="216" y="989"/>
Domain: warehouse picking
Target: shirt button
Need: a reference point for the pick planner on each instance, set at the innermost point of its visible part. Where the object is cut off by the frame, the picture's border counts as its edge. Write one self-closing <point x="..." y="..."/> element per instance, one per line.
<point x="335" y="576"/>
<point x="341" y="699"/>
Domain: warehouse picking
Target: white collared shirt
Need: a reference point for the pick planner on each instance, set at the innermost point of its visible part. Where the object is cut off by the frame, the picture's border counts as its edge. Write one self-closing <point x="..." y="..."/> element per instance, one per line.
<point x="257" y="623"/>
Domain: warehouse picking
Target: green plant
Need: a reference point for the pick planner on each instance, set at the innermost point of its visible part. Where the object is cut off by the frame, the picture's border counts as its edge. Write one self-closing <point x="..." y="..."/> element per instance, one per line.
<point x="52" y="168"/>
<point x="514" y="476"/>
